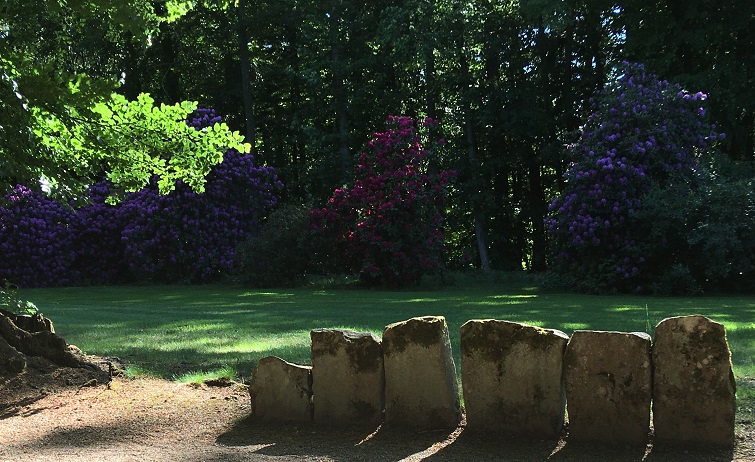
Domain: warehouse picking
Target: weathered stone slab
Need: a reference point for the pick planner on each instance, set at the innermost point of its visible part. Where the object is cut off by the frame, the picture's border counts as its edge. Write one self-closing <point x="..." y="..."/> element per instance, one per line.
<point x="512" y="377"/>
<point x="608" y="386"/>
<point x="281" y="391"/>
<point x="420" y="376"/>
<point x="347" y="377"/>
<point x="694" y="388"/>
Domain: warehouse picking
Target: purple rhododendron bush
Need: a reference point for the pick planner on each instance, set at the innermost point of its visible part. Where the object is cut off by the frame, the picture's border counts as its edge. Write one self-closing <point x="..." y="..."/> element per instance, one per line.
<point x="388" y="225"/>
<point x="183" y="236"/>
<point x="36" y="239"/>
<point x="644" y="135"/>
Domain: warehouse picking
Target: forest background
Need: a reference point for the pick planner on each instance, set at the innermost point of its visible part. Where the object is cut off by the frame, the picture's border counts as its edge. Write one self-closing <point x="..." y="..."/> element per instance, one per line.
<point x="308" y="82"/>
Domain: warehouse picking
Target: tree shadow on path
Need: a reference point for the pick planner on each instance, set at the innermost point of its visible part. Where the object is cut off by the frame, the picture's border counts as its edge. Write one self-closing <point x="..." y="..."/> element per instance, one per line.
<point x="306" y="441"/>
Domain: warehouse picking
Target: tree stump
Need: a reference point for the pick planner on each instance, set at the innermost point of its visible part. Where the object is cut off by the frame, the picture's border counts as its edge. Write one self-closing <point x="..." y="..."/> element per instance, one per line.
<point x="33" y="335"/>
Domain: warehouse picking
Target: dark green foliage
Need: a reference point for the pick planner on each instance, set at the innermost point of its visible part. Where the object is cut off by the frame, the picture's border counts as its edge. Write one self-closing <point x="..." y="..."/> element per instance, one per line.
<point x="508" y="82"/>
<point x="703" y="237"/>
<point x="276" y="257"/>
<point x="702" y="44"/>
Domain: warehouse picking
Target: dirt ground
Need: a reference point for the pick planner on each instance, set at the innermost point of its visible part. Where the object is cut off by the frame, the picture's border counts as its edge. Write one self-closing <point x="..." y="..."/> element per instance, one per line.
<point x="63" y="414"/>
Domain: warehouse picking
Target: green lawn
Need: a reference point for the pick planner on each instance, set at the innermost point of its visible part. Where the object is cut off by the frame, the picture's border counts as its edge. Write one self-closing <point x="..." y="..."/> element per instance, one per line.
<point x="170" y="331"/>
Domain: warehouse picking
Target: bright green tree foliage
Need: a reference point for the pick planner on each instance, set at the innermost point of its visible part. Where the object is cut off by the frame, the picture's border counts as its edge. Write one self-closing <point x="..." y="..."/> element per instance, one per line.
<point x="133" y="140"/>
<point x="61" y="121"/>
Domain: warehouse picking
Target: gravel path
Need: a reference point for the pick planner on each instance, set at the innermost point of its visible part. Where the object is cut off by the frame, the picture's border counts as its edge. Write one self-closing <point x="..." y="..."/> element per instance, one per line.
<point x="157" y="420"/>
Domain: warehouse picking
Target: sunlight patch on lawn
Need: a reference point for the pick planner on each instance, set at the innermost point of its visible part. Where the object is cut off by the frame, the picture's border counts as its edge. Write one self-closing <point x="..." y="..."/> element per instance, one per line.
<point x="739" y="326"/>
<point x="498" y="300"/>
<point x="259" y="346"/>
<point x="183" y="327"/>
<point x="621" y="309"/>
<point x="197" y="377"/>
<point x="202" y="344"/>
<point x="498" y="297"/>
<point x="266" y="294"/>
<point x="575" y="326"/>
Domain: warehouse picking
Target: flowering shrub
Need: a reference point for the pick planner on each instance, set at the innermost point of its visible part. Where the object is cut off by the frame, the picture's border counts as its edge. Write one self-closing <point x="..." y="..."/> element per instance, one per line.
<point x="35" y="240"/>
<point x="643" y="133"/>
<point x="179" y="237"/>
<point x="97" y="231"/>
<point x="388" y="225"/>
<point x="186" y="236"/>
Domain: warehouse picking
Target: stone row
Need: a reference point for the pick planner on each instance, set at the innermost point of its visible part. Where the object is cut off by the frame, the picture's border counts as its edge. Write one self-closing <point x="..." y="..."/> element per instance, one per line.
<point x="516" y="379"/>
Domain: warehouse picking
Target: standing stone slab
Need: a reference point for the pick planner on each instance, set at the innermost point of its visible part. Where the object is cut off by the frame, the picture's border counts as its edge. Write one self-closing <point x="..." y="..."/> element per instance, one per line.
<point x="347" y="377"/>
<point x="281" y="391"/>
<point x="608" y="386"/>
<point x="420" y="376"/>
<point x="512" y="378"/>
<point x="694" y="388"/>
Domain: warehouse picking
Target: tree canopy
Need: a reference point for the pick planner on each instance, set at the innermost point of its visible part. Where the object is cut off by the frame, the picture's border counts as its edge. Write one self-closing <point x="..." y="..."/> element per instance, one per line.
<point x="59" y="67"/>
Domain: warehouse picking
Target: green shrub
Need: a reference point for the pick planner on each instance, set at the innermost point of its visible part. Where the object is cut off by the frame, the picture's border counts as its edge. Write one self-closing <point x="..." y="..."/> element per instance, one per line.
<point x="708" y="229"/>
<point x="9" y="300"/>
<point x="276" y="257"/>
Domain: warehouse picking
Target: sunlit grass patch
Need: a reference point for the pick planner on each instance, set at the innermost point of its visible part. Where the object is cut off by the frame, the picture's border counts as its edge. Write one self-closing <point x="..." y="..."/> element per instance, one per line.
<point x="198" y="377"/>
<point x="171" y="331"/>
<point x="134" y="370"/>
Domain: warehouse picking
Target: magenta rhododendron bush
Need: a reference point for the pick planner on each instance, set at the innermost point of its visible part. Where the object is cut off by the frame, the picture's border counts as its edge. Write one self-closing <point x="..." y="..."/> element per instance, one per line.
<point x="388" y="225"/>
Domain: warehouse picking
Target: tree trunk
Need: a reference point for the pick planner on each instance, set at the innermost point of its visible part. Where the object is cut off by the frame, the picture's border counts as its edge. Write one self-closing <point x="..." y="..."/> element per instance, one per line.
<point x="132" y="84"/>
<point x="171" y="79"/>
<point x="246" y="85"/>
<point x="431" y="103"/>
<point x="474" y="169"/>
<point x="537" y="206"/>
<point x="339" y="92"/>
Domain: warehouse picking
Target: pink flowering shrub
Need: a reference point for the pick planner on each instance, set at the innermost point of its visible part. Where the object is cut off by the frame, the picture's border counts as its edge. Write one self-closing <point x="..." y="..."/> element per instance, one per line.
<point x="388" y="225"/>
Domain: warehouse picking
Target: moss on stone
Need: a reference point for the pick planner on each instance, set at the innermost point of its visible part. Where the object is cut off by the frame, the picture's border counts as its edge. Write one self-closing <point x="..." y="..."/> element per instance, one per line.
<point x="424" y="331"/>
<point x="493" y="339"/>
<point x="365" y="353"/>
<point x="325" y="342"/>
<point x="363" y="349"/>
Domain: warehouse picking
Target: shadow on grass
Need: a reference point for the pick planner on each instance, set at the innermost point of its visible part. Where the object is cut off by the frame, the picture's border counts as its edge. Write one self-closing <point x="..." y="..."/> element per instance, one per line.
<point x="173" y="330"/>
